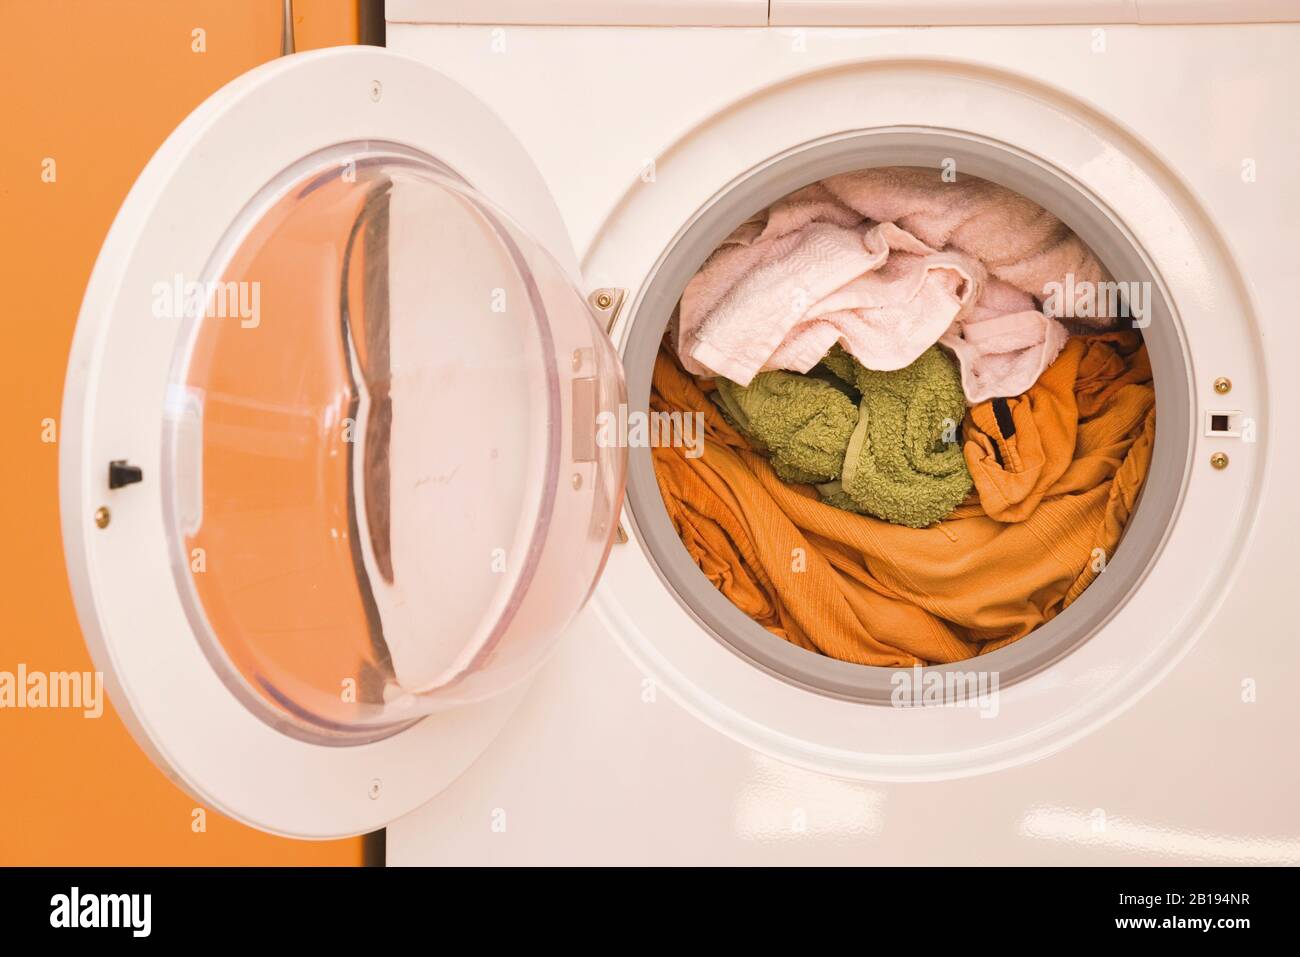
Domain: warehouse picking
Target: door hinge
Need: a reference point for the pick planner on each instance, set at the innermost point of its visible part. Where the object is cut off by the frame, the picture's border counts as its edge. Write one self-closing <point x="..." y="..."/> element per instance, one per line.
<point x="607" y="303"/>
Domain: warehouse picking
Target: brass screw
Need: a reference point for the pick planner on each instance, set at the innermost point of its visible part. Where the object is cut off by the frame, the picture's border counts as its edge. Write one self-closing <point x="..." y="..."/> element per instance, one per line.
<point x="102" y="516"/>
<point x="604" y="300"/>
<point x="1222" y="385"/>
<point x="577" y="481"/>
<point x="1219" y="460"/>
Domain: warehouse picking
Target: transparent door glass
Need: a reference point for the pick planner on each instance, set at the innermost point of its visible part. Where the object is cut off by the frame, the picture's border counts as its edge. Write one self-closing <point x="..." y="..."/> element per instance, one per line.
<point x="383" y="493"/>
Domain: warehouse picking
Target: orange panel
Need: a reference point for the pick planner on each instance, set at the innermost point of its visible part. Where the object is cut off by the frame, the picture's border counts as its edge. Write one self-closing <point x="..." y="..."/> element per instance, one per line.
<point x="95" y="87"/>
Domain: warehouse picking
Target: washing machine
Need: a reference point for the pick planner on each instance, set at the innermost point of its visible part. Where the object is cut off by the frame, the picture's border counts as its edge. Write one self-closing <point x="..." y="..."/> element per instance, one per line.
<point x="349" y="552"/>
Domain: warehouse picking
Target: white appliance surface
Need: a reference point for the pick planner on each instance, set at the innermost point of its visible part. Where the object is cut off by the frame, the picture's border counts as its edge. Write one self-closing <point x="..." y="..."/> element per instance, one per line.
<point x="590" y="771"/>
<point x="601" y="765"/>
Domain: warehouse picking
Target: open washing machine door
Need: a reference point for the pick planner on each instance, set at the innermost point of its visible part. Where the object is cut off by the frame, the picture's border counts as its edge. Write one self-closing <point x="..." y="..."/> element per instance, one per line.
<point x="331" y="484"/>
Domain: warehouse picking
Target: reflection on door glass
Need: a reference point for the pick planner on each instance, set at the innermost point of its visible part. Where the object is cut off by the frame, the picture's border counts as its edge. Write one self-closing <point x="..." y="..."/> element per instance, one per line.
<point x="370" y="492"/>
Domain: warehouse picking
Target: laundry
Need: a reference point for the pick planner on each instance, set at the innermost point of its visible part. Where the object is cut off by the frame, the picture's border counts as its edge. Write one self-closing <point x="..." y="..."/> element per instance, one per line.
<point x="803" y="422"/>
<point x="1018" y="449"/>
<point x="889" y="316"/>
<point x="895" y="455"/>
<point x="903" y="462"/>
<point x="823" y="266"/>
<point x="1005" y="345"/>
<point x="779" y="300"/>
<point x="872" y="592"/>
<point x="1020" y="242"/>
<point x="744" y="543"/>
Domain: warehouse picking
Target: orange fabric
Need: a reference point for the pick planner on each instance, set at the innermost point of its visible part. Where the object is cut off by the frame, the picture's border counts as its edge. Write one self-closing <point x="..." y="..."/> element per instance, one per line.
<point x="863" y="590"/>
<point x="1013" y="474"/>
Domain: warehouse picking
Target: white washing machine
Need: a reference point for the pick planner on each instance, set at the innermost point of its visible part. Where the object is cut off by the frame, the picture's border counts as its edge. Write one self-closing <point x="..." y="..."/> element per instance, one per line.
<point x="346" y="548"/>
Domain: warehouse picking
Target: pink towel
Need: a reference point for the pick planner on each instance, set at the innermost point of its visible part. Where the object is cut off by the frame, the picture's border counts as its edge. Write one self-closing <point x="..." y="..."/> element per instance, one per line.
<point x="1020" y="242"/>
<point x="877" y="290"/>
<point x="814" y="270"/>
<point x="1005" y="344"/>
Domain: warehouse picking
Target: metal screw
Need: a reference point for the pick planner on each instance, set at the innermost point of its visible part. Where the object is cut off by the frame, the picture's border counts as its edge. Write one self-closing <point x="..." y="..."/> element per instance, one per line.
<point x="103" y="516"/>
<point x="1222" y="385"/>
<point x="376" y="90"/>
<point x="577" y="359"/>
<point x="577" y="481"/>
<point x="375" y="786"/>
<point x="604" y="300"/>
<point x="1219" y="460"/>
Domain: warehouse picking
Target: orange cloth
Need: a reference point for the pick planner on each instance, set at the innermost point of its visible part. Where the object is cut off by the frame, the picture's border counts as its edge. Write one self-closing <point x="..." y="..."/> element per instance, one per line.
<point x="1013" y="474"/>
<point x="863" y="590"/>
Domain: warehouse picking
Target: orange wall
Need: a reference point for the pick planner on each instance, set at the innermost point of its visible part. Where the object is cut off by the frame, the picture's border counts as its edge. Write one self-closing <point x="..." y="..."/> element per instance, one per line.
<point x="97" y="86"/>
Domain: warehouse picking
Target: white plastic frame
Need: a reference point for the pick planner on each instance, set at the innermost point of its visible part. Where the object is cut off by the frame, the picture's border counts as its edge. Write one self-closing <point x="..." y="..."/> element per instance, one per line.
<point x="171" y="699"/>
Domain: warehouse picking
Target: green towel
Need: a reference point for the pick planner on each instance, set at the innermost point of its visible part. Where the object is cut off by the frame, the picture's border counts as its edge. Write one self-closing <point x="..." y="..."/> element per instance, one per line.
<point x="903" y="462"/>
<point x="802" y="422"/>
<point x="843" y="366"/>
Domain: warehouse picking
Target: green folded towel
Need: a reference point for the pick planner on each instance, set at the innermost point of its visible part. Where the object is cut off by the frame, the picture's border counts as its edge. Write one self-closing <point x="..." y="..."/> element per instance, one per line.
<point x="895" y="455"/>
<point x="903" y="462"/>
<point x="802" y="422"/>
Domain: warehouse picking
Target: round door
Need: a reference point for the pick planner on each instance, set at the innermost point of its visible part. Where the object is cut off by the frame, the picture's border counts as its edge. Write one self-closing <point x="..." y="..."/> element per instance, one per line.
<point x="332" y="478"/>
